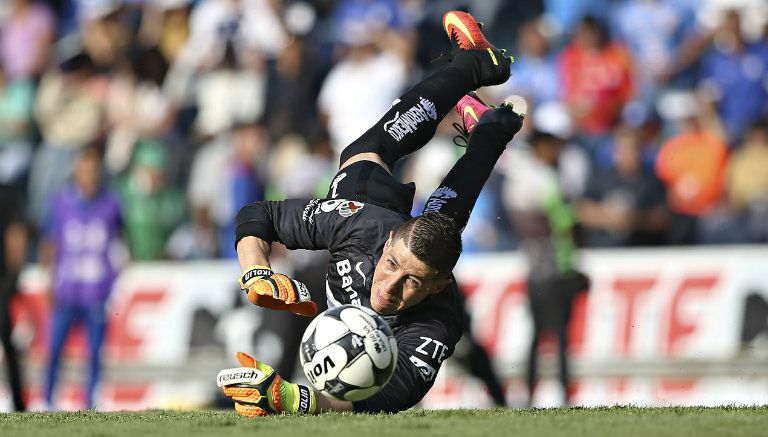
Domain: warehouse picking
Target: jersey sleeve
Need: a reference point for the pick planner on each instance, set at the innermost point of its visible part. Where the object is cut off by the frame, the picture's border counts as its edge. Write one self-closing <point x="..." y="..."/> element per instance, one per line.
<point x="422" y="348"/>
<point x="298" y="224"/>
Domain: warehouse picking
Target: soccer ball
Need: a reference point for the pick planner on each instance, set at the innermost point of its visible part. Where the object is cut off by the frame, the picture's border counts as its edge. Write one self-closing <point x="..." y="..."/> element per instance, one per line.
<point x="348" y="352"/>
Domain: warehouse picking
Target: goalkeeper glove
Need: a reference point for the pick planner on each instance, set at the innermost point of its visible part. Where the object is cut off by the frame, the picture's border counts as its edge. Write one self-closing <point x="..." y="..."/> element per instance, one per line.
<point x="258" y="390"/>
<point x="276" y="291"/>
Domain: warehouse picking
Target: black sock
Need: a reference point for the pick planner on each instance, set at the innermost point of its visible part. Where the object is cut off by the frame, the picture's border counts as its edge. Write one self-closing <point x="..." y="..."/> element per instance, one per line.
<point x="413" y="119"/>
<point x="459" y="190"/>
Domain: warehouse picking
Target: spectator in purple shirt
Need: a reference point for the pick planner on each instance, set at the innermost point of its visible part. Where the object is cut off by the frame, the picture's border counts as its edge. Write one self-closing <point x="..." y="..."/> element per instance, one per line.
<point x="82" y="237"/>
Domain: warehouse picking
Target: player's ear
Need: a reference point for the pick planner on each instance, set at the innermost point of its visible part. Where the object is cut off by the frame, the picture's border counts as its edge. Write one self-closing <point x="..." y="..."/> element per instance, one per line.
<point x="390" y="240"/>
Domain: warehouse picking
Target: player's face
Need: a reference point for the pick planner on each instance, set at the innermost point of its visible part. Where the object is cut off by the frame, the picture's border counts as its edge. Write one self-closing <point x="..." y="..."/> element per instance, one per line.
<point x="401" y="280"/>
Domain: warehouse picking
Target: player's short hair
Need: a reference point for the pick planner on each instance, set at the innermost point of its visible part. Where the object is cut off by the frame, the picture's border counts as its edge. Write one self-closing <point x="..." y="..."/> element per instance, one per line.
<point x="434" y="238"/>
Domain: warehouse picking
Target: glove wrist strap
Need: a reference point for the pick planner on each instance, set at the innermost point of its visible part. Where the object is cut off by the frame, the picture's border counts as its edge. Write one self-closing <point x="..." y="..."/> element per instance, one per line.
<point x="255" y="271"/>
<point x="297" y="398"/>
<point x="306" y="402"/>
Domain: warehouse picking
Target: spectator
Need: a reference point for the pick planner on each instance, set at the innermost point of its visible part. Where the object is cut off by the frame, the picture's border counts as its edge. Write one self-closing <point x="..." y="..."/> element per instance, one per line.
<point x="366" y="80"/>
<point x="545" y="224"/>
<point x="746" y="181"/>
<point x="503" y="19"/>
<point x="384" y="13"/>
<point x="239" y="181"/>
<point x="262" y="27"/>
<point x="25" y="39"/>
<point x="252" y="26"/>
<point x="565" y="15"/>
<point x="136" y="106"/>
<point x="753" y="13"/>
<point x="70" y="110"/>
<point x="230" y="92"/>
<point x="734" y="75"/>
<point x="293" y="83"/>
<point x="653" y="31"/>
<point x="302" y="170"/>
<point x="152" y="208"/>
<point x="534" y="74"/>
<point x="13" y="249"/>
<point x="624" y="205"/>
<point x="691" y="164"/>
<point x="165" y="25"/>
<point x="16" y="102"/>
<point x="80" y="245"/>
<point x="596" y="78"/>
<point x="212" y="25"/>
<point x="67" y="16"/>
<point x="573" y="164"/>
<point x="105" y="32"/>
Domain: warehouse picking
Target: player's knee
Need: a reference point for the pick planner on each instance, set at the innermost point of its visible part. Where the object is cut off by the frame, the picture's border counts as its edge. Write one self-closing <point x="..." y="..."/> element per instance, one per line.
<point x="363" y="156"/>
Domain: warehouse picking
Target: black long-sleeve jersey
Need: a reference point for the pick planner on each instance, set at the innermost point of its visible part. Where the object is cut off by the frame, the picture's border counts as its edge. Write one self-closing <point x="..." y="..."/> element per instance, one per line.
<point x="354" y="233"/>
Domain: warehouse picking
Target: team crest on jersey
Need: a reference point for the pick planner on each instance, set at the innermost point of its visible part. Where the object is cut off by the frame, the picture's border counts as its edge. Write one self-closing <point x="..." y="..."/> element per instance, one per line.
<point x="345" y="207"/>
<point x="349" y="208"/>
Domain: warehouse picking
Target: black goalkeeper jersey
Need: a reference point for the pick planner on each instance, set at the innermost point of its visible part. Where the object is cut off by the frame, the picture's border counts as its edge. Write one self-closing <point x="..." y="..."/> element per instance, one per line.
<point x="354" y="233"/>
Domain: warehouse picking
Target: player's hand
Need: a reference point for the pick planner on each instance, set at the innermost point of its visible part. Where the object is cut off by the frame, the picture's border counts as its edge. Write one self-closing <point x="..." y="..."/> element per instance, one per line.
<point x="258" y="390"/>
<point x="276" y="291"/>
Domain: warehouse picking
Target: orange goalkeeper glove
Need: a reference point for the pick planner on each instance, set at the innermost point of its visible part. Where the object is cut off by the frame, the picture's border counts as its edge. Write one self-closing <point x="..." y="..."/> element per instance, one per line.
<point x="276" y="291"/>
<point x="258" y="390"/>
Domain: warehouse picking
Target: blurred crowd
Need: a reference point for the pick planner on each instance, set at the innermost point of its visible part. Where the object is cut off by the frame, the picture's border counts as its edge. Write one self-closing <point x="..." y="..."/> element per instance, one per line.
<point x="653" y="113"/>
<point x="136" y="129"/>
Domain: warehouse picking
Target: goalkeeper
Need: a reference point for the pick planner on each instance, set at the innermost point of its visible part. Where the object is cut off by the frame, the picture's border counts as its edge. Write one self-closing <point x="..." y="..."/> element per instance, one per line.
<point x="381" y="257"/>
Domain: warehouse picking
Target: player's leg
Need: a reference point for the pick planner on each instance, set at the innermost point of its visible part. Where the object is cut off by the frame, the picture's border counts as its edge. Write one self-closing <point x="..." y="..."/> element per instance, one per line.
<point x="489" y="129"/>
<point x="62" y="321"/>
<point x="531" y="376"/>
<point x="565" y="288"/>
<point x="414" y="117"/>
<point x="96" y="324"/>
<point x="14" y="372"/>
<point x="562" y="351"/>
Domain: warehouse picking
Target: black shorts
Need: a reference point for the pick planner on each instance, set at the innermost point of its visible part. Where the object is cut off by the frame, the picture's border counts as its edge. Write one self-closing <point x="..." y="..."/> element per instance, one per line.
<point x="369" y="182"/>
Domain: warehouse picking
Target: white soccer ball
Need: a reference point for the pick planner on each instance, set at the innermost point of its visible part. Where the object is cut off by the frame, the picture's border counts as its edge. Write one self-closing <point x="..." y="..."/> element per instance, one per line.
<point x="348" y="352"/>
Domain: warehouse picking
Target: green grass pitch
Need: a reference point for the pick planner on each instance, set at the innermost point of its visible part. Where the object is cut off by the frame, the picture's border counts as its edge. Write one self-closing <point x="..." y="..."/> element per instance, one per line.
<point x="615" y="422"/>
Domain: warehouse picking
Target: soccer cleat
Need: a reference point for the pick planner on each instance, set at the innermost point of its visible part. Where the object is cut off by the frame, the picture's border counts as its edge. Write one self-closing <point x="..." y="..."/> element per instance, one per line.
<point x="500" y="124"/>
<point x="470" y="108"/>
<point x="470" y="49"/>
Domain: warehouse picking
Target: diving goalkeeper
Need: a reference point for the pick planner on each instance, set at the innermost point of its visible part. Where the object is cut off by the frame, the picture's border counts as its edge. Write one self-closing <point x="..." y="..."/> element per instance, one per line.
<point x="382" y="258"/>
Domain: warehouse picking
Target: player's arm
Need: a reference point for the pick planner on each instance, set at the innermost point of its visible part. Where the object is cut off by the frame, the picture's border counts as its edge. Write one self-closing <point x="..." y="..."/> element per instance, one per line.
<point x="295" y="223"/>
<point x="325" y="403"/>
<point x="253" y="250"/>
<point x="298" y="224"/>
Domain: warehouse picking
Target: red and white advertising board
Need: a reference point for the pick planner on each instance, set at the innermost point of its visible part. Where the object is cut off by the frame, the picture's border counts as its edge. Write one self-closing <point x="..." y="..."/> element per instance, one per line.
<point x="658" y="327"/>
